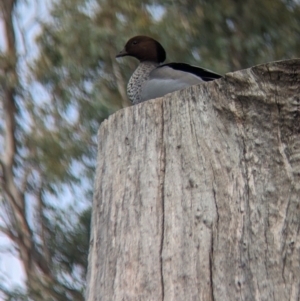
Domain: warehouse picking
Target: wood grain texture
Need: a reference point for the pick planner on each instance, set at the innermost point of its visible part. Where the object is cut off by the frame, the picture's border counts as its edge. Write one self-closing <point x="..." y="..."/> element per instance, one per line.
<point x="197" y="194"/>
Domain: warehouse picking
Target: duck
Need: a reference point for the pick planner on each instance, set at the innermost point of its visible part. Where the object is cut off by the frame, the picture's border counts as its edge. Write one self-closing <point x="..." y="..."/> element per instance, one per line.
<point x="153" y="79"/>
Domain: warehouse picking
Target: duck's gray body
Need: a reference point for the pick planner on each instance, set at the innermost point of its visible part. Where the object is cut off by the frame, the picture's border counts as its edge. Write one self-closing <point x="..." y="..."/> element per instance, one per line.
<point x="149" y="82"/>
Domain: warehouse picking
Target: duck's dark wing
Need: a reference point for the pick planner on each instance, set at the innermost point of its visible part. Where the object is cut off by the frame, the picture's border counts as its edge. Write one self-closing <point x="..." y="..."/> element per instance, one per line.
<point x="204" y="74"/>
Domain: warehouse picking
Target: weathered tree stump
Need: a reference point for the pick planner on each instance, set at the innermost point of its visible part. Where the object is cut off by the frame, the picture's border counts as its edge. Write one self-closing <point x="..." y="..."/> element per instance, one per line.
<point x="197" y="194"/>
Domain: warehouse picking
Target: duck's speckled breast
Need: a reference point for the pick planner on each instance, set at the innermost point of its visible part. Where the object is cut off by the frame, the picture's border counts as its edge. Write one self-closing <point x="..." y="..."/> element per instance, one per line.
<point x="138" y="79"/>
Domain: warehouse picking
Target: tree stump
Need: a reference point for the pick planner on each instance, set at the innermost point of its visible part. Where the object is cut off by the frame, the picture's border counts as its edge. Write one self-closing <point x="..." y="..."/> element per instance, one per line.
<point x="197" y="194"/>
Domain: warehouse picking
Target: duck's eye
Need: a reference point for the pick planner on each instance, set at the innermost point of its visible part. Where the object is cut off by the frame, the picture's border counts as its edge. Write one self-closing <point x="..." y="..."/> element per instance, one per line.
<point x="134" y="42"/>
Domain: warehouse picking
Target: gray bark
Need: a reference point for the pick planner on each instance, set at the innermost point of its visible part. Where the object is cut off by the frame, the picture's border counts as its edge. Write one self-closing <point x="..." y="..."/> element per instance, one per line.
<point x="197" y="194"/>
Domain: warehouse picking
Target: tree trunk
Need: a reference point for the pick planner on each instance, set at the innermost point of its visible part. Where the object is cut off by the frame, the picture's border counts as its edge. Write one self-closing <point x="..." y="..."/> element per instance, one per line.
<point x="197" y="194"/>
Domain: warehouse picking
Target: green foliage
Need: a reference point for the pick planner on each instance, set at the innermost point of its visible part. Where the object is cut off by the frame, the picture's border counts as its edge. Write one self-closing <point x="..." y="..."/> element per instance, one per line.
<point x="69" y="241"/>
<point x="15" y="294"/>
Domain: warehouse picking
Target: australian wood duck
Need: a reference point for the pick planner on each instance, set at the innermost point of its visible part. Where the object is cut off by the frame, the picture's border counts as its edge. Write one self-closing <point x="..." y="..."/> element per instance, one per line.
<point x="153" y="79"/>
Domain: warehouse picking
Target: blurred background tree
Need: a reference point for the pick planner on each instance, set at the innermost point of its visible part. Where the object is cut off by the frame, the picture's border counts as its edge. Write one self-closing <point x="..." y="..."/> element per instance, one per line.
<point x="50" y="113"/>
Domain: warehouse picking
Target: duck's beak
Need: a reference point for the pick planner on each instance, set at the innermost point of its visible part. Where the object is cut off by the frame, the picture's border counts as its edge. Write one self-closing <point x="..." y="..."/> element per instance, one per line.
<point x="122" y="53"/>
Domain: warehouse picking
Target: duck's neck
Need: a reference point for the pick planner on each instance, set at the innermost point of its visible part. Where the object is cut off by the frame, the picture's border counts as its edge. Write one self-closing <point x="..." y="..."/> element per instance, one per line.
<point x="137" y="80"/>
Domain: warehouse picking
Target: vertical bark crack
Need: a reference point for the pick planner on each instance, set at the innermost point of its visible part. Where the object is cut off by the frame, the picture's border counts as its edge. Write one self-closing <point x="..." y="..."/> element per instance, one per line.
<point x="211" y="267"/>
<point x="212" y="244"/>
<point x="162" y="184"/>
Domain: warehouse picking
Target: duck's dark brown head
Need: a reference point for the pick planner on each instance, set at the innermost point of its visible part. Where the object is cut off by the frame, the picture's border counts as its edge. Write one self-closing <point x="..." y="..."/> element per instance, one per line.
<point x="144" y="49"/>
